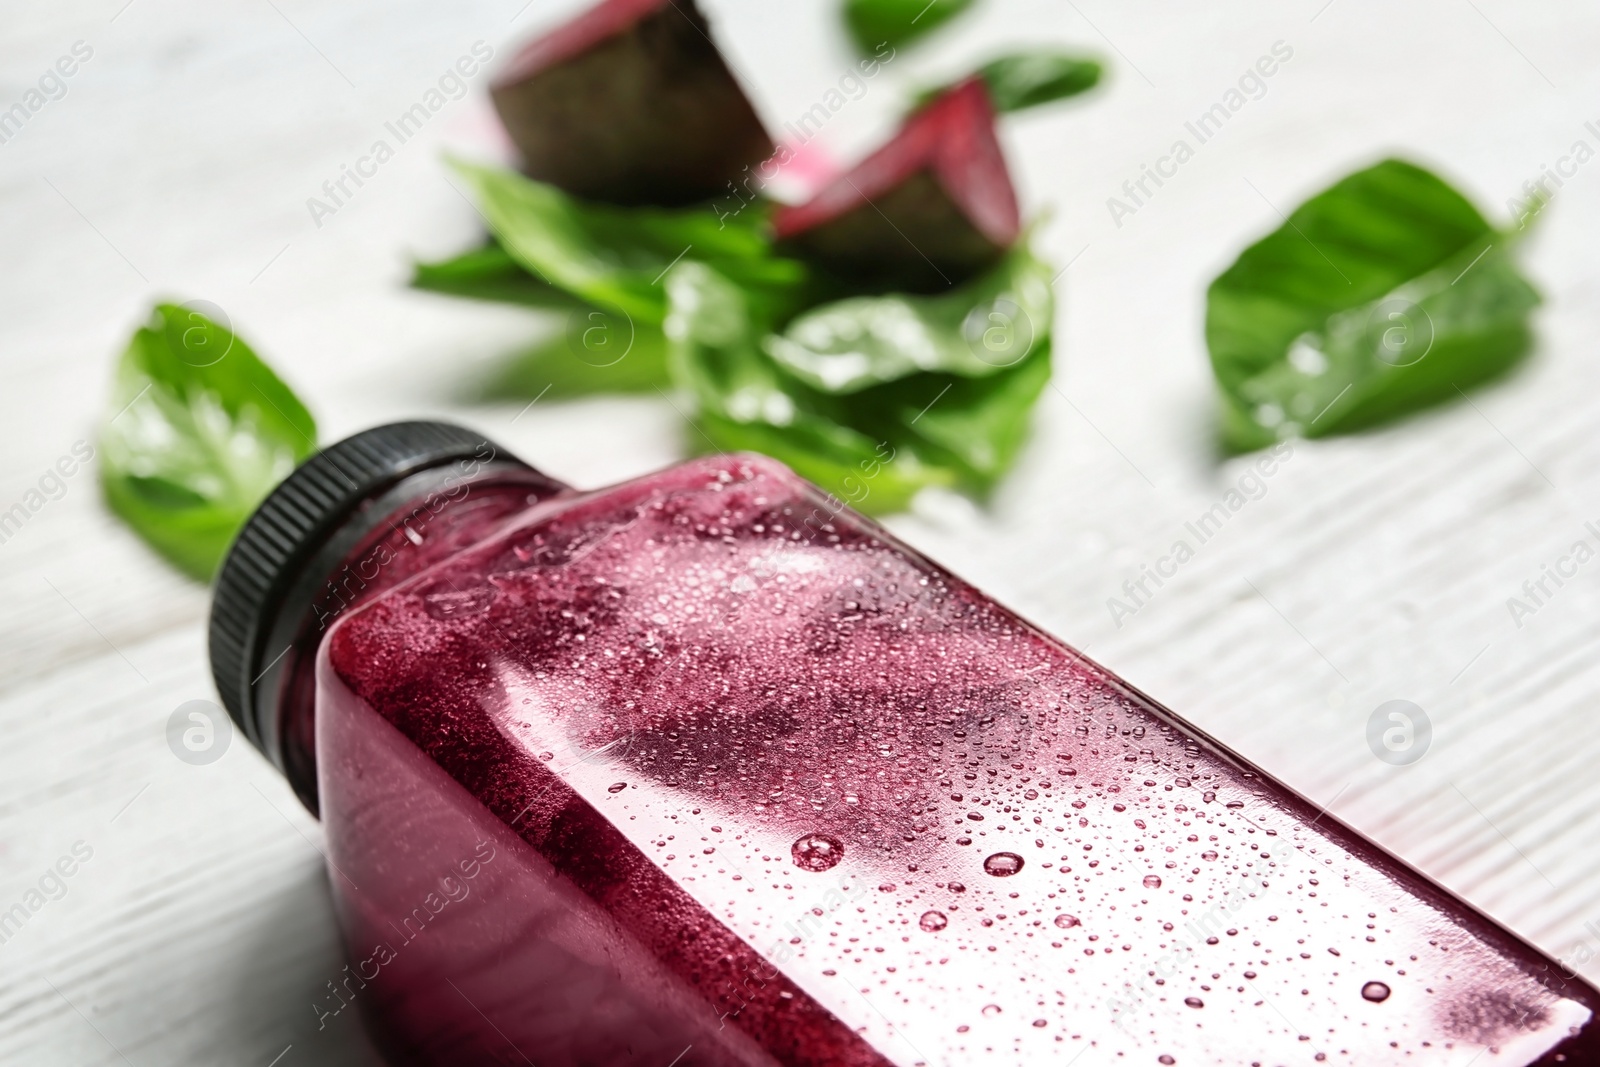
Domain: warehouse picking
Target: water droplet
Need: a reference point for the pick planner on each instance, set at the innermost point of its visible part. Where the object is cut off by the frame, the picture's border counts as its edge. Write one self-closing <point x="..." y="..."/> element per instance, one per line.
<point x="1040" y="1023"/>
<point x="1194" y="1002"/>
<point x="1208" y="855"/>
<point x="1165" y="1060"/>
<point x="1376" y="992"/>
<point x="1152" y="881"/>
<point x="1066" y="922"/>
<point x="617" y="787"/>
<point x="1003" y="865"/>
<point x="991" y="1010"/>
<point x="933" y="921"/>
<point x="444" y="601"/>
<point x="957" y="887"/>
<point x="817" y="852"/>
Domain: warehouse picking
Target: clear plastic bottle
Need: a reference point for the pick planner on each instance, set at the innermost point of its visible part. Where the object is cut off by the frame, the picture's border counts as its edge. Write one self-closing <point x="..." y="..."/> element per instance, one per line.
<point x="702" y="769"/>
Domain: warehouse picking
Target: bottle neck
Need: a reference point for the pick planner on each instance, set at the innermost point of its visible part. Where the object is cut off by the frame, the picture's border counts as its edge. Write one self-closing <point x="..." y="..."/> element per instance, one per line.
<point x="394" y="535"/>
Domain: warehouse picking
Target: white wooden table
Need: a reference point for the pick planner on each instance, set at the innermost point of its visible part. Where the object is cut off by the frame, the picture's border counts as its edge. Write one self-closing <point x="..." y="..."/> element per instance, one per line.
<point x="179" y="162"/>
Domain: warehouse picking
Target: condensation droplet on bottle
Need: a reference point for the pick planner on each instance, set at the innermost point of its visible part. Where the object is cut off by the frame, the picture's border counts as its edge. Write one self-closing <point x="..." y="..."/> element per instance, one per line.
<point x="1376" y="992"/>
<point x="1208" y="855"/>
<point x="1152" y="881"/>
<point x="443" y="601"/>
<point x="616" y="787"/>
<point x="1165" y="1060"/>
<point x="991" y="1010"/>
<point x="1194" y="1002"/>
<point x="1003" y="864"/>
<point x="1066" y="922"/>
<point x="933" y="921"/>
<point x="817" y="852"/>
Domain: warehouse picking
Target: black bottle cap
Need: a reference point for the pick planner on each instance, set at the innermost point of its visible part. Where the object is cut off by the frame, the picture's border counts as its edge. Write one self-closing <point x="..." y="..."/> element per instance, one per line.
<point x="287" y="530"/>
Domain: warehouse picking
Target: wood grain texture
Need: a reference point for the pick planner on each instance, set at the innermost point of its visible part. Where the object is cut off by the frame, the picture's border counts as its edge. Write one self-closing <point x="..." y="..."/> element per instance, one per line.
<point x="179" y="162"/>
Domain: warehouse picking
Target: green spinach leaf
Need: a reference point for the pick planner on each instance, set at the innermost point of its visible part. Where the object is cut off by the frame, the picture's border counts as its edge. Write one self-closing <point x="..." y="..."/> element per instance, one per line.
<point x="974" y="426"/>
<point x="975" y="331"/>
<point x="874" y="446"/>
<point x="1021" y="80"/>
<point x="742" y="400"/>
<point x="1027" y="79"/>
<point x="617" y="257"/>
<point x="871" y="397"/>
<point x="598" y="350"/>
<point x="1385" y="293"/>
<point x="490" y="273"/>
<point x="201" y="430"/>
<point x="873" y="23"/>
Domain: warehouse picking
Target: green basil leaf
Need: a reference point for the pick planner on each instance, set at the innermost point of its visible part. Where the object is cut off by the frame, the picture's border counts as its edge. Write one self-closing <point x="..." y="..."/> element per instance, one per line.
<point x="978" y="330"/>
<point x="743" y="400"/>
<point x="871" y="476"/>
<point x="618" y="257"/>
<point x="490" y="273"/>
<point x="874" y="447"/>
<point x="200" y="431"/>
<point x="598" y="351"/>
<point x="875" y="23"/>
<point x="1021" y="80"/>
<point x="1385" y="293"/>
<point x="975" y="426"/>
<point x="1027" y="79"/>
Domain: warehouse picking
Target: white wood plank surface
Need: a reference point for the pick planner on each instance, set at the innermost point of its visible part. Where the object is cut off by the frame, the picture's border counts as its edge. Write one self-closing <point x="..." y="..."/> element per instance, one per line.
<point x="179" y="162"/>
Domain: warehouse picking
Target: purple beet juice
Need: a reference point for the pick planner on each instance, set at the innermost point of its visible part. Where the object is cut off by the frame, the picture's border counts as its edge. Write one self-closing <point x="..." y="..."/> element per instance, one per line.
<point x="700" y="769"/>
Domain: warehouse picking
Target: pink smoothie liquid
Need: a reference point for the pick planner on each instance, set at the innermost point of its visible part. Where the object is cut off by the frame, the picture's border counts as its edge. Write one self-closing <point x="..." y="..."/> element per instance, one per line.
<point x="698" y="770"/>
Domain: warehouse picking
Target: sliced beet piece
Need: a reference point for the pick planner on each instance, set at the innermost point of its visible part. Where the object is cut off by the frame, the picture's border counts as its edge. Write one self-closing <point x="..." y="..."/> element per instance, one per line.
<point x="630" y="103"/>
<point x="926" y="211"/>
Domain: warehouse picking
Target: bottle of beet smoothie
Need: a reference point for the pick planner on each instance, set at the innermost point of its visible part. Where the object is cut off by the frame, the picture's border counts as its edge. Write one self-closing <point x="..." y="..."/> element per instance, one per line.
<point x="704" y="769"/>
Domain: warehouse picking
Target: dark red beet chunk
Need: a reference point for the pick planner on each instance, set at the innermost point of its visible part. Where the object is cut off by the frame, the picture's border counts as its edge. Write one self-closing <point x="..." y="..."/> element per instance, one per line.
<point x="926" y="211"/>
<point x="631" y="103"/>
